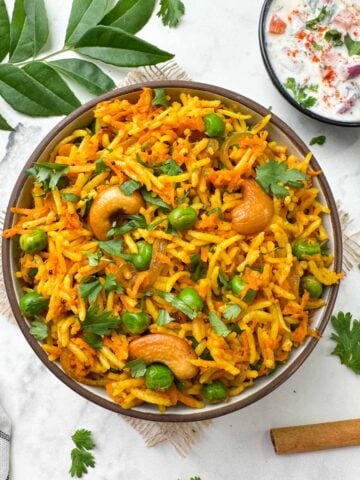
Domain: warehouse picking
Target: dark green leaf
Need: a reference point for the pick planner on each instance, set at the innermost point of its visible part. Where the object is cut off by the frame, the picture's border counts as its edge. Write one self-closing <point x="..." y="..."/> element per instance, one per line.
<point x="129" y="15"/>
<point x="100" y="323"/>
<point x="115" y="46"/>
<point x="160" y="98"/>
<point x="85" y="73"/>
<point x="112" y="247"/>
<point x="129" y="187"/>
<point x="218" y="325"/>
<point x="223" y="279"/>
<point x="347" y="338"/>
<point x="300" y="92"/>
<point x="83" y="439"/>
<point x="153" y="225"/>
<point x="62" y="98"/>
<point x="135" y="221"/>
<point x="39" y="330"/>
<point x="90" y="290"/>
<point x="171" y="12"/>
<point x="70" y="197"/>
<point x="4" y="124"/>
<point x="4" y="31"/>
<point x="320" y="140"/>
<point x="149" y="198"/>
<point x="334" y="37"/>
<point x="198" y="268"/>
<point x="353" y="46"/>
<point x="80" y="461"/>
<point x="100" y="166"/>
<point x="315" y="22"/>
<point x="95" y="341"/>
<point x="169" y="167"/>
<point x="48" y="174"/>
<point x="272" y="173"/>
<point x="111" y="284"/>
<point x="27" y="95"/>
<point x="178" y="304"/>
<point x="137" y="367"/>
<point x="232" y="312"/>
<point x="94" y="258"/>
<point x="164" y="318"/>
<point x="21" y="41"/>
<point x="38" y="23"/>
<point x="84" y="15"/>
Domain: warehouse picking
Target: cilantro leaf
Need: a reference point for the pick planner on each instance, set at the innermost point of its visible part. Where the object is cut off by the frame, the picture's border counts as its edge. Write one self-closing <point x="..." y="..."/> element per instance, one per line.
<point x="100" y="166"/>
<point x="300" y="92"/>
<point x="153" y="225"/>
<point x="178" y="304"/>
<point x="39" y="330"/>
<point x="315" y="22"/>
<point x="347" y="337"/>
<point x="70" y="197"/>
<point x="218" y="325"/>
<point x="160" y="98"/>
<point x="223" y="279"/>
<point x="94" y="258"/>
<point x="83" y="439"/>
<point x="90" y="290"/>
<point x="95" y="341"/>
<point x="48" y="174"/>
<point x="198" y="268"/>
<point x="80" y="461"/>
<point x="111" y="284"/>
<point x="135" y="221"/>
<point x="129" y="187"/>
<point x="272" y="173"/>
<point x="112" y="247"/>
<point x="320" y="140"/>
<point x="137" y="367"/>
<point x="334" y="37"/>
<point x="154" y="200"/>
<point x="164" y="318"/>
<point x="353" y="46"/>
<point x="232" y="312"/>
<point x="100" y="323"/>
<point x="171" y="12"/>
<point x="169" y="167"/>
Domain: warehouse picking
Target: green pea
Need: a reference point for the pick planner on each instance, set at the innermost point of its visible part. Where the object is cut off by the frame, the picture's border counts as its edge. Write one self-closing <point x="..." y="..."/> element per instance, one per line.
<point x="142" y="259"/>
<point x="301" y="249"/>
<point x="215" y="392"/>
<point x="182" y="218"/>
<point x="311" y="285"/>
<point x="34" y="241"/>
<point x="214" y="125"/>
<point x="191" y="298"/>
<point x="32" y="304"/>
<point x="135" y="322"/>
<point x="237" y="285"/>
<point x="158" y="377"/>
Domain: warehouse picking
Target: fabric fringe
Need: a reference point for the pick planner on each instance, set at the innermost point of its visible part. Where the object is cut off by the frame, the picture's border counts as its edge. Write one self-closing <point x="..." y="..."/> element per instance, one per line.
<point x="167" y="71"/>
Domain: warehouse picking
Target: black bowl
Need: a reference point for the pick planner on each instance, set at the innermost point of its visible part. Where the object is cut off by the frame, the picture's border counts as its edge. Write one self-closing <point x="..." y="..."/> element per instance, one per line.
<point x="276" y="81"/>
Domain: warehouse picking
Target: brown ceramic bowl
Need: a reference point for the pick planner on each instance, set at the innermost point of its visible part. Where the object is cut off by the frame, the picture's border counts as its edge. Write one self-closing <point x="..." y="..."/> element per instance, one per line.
<point x="279" y="131"/>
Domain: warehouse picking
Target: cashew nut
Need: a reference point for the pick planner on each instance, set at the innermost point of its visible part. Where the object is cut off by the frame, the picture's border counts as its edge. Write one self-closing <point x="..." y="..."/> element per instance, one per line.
<point x="173" y="351"/>
<point x="107" y="204"/>
<point x="255" y="212"/>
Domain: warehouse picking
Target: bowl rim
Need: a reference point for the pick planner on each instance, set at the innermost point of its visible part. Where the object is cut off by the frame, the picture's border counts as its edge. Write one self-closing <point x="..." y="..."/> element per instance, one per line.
<point x="276" y="82"/>
<point x="111" y="405"/>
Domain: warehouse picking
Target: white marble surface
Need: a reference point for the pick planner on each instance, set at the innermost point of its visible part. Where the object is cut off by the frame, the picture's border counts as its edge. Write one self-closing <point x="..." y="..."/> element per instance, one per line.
<point x="216" y="43"/>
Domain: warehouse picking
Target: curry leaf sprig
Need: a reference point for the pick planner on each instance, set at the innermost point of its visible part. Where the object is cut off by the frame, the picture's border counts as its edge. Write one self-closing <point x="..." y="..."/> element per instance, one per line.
<point x="347" y="338"/>
<point x="81" y="458"/>
<point x="37" y="85"/>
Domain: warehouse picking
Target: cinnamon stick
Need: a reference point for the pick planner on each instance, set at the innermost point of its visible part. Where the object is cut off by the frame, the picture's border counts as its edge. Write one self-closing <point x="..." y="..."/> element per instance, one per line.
<point x="320" y="436"/>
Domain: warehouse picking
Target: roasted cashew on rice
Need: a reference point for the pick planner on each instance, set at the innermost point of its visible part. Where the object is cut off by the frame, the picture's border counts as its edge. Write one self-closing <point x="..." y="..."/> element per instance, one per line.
<point x="109" y="203"/>
<point x="174" y="352"/>
<point x="255" y="211"/>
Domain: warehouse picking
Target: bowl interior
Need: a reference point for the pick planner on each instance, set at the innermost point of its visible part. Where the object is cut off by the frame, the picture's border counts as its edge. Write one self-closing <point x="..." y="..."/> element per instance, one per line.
<point x="280" y="132"/>
<point x="263" y="22"/>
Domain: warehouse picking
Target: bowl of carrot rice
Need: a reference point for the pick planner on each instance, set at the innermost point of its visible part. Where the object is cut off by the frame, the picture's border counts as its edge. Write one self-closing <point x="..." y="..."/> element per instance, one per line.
<point x="172" y="251"/>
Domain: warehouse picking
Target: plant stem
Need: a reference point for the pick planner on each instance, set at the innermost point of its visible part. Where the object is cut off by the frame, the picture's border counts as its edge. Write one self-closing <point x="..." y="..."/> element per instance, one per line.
<point x="20" y="64"/>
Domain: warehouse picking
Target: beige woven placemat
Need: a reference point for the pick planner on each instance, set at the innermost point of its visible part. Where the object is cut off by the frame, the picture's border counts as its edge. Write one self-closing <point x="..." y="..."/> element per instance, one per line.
<point x="183" y="435"/>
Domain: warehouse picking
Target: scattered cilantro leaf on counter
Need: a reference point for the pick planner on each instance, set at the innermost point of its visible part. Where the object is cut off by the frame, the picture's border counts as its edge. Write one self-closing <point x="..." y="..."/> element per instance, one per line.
<point x="48" y="174"/>
<point x="347" y="338"/>
<point x="334" y="37"/>
<point x="129" y="187"/>
<point x="218" y="325"/>
<point x="39" y="330"/>
<point x="300" y="92"/>
<point x="195" y="478"/>
<point x="160" y="99"/>
<point x="353" y="46"/>
<point x="320" y="140"/>
<point x="81" y="458"/>
<point x="272" y="173"/>
<point x="100" y="323"/>
<point x="171" y="12"/>
<point x="137" y="367"/>
<point x="315" y="22"/>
